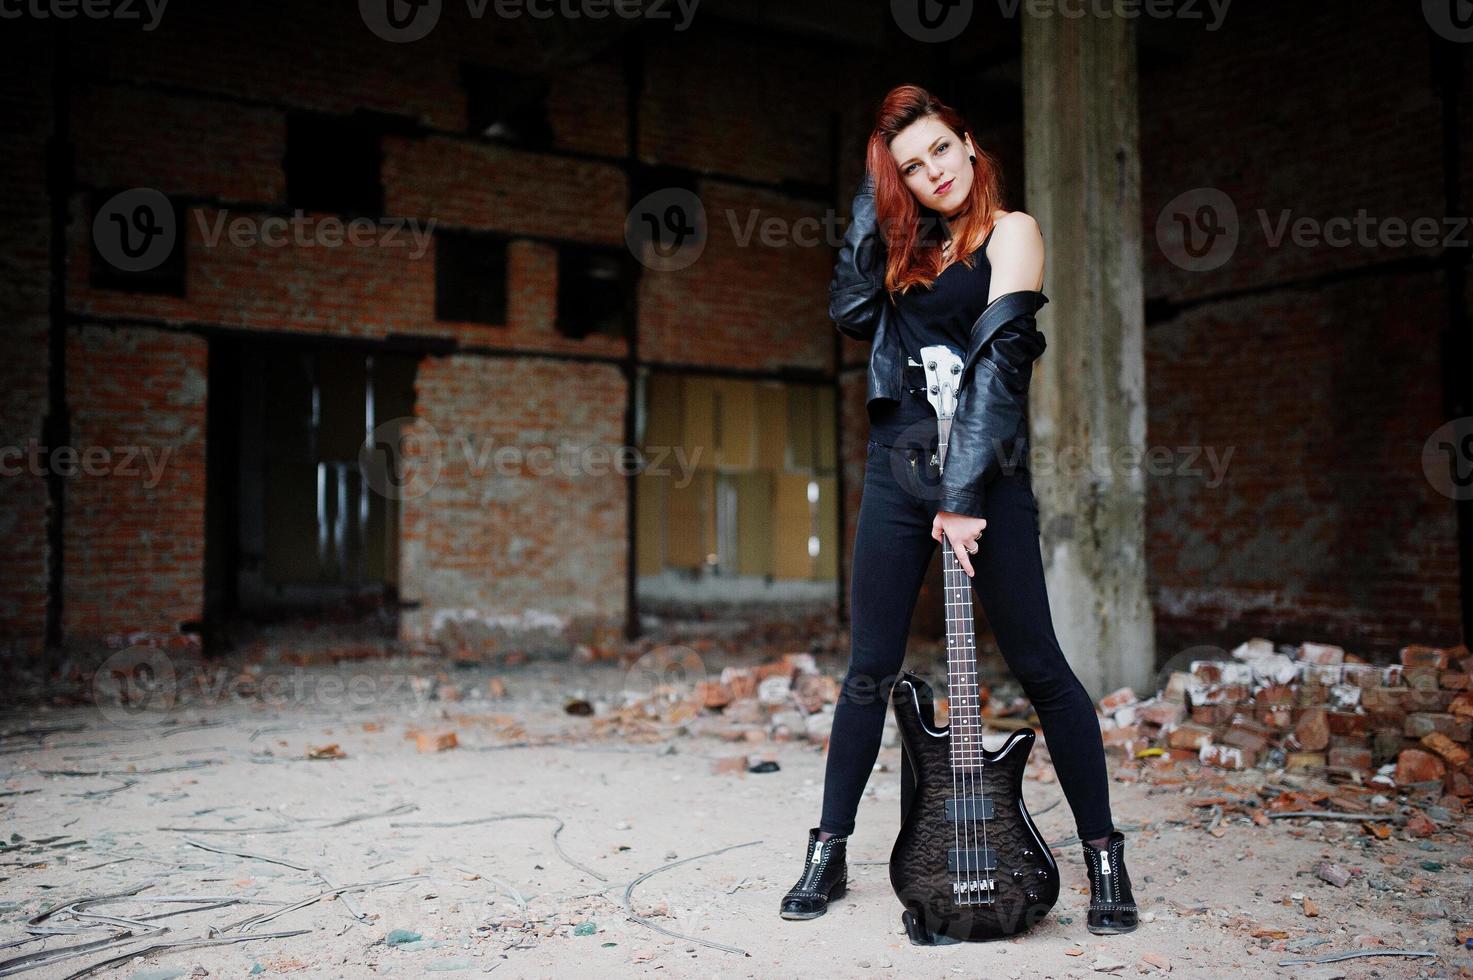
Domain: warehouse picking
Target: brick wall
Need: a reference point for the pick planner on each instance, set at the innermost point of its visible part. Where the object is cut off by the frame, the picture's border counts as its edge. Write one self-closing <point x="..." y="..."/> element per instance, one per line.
<point x="513" y="535"/>
<point x="1317" y="367"/>
<point x="211" y="129"/>
<point x="135" y="525"/>
<point x="25" y="121"/>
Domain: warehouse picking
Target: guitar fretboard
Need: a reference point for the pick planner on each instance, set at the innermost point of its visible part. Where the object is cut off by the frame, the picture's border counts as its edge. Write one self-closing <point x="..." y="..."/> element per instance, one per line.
<point x="963" y="694"/>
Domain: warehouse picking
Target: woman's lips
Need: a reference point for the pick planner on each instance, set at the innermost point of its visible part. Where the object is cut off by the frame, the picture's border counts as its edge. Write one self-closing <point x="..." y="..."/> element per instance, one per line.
<point x="945" y="187"/>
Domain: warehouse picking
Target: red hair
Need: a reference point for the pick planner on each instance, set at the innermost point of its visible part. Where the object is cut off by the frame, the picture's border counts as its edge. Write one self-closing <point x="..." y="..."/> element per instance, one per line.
<point x="911" y="257"/>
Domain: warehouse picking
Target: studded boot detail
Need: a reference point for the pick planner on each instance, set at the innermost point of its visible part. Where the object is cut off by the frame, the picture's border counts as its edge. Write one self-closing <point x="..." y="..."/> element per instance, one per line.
<point x="825" y="876"/>
<point x="1111" y="905"/>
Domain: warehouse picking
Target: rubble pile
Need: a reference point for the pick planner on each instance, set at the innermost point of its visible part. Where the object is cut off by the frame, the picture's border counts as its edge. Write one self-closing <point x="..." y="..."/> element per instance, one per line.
<point x="1312" y="707"/>
<point x="784" y="700"/>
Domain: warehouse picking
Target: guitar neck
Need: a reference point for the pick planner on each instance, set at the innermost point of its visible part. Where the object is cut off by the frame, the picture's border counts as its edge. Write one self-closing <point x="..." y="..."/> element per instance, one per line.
<point x="963" y="694"/>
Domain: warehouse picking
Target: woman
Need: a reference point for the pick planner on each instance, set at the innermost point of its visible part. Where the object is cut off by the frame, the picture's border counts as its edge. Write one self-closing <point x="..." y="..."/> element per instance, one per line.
<point x="949" y="252"/>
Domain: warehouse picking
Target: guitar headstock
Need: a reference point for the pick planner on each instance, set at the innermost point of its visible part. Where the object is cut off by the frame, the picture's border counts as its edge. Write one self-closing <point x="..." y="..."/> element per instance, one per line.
<point x="943" y="378"/>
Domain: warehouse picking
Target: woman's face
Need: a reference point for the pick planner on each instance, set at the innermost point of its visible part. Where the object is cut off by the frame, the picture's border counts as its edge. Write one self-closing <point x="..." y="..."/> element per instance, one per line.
<point x="933" y="162"/>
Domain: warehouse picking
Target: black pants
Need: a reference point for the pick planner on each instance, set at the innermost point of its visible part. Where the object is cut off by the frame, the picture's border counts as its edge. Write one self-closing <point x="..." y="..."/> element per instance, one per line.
<point x="892" y="550"/>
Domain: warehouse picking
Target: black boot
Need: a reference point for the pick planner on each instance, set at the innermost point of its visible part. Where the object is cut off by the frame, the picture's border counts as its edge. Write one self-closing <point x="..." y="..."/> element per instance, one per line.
<point x="1111" y="904"/>
<point x="825" y="876"/>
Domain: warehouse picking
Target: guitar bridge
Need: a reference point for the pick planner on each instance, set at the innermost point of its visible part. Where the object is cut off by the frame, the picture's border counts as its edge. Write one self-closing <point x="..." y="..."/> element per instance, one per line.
<point x="974" y="888"/>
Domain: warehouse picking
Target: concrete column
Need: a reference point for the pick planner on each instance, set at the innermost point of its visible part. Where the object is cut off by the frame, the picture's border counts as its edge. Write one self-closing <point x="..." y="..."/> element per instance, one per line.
<point x="1082" y="162"/>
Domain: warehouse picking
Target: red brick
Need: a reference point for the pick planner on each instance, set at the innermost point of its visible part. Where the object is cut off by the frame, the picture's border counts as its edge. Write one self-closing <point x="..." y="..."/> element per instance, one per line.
<point x="1420" y="723"/>
<point x="1417" y="765"/>
<point x="1418" y="655"/>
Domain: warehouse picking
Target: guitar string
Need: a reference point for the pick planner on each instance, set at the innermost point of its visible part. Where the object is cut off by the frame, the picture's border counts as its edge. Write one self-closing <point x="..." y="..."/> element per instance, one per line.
<point x="957" y="815"/>
<point x="971" y="727"/>
<point x="971" y="779"/>
<point x="958" y="786"/>
<point x="958" y="775"/>
<point x="976" y="754"/>
<point x="964" y="815"/>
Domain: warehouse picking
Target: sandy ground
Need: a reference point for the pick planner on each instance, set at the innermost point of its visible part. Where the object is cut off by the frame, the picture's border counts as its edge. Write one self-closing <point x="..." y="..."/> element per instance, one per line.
<point x="101" y="800"/>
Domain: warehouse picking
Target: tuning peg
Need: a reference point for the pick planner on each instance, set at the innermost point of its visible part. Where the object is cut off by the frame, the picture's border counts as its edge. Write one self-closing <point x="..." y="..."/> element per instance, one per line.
<point x="956" y="369"/>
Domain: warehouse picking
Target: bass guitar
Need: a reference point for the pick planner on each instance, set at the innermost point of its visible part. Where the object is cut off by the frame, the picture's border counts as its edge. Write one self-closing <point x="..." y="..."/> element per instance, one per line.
<point x="968" y="864"/>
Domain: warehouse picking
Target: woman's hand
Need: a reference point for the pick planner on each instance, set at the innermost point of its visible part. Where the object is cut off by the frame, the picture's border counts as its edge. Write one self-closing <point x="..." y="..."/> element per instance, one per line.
<point x="963" y="532"/>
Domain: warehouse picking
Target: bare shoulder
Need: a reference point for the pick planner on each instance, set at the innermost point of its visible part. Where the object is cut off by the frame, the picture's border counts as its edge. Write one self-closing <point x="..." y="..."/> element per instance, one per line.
<point x="1017" y="228"/>
<point x="1016" y="252"/>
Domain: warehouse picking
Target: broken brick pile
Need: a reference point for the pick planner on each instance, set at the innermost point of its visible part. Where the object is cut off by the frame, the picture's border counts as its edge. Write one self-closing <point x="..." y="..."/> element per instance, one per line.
<point x="1311" y="706"/>
<point x="788" y="699"/>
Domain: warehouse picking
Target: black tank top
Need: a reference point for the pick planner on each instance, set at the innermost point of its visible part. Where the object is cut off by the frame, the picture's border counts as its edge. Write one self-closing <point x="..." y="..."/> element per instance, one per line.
<point x="941" y="314"/>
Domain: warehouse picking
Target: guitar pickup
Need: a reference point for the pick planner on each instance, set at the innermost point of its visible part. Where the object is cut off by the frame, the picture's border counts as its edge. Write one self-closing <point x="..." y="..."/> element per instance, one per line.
<point x="971" y="859"/>
<point x="971" y="808"/>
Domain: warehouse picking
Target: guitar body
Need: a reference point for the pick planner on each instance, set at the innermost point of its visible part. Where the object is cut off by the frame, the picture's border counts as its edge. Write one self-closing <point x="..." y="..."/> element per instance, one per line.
<point x="961" y="877"/>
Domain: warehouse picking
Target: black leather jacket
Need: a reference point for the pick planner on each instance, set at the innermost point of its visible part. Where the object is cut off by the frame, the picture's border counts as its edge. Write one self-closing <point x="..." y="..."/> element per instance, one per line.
<point x="989" y="432"/>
